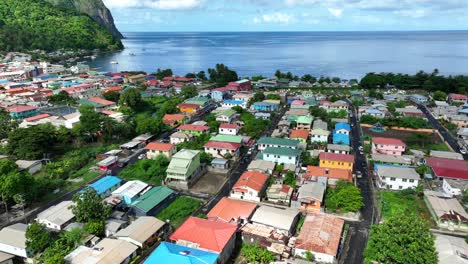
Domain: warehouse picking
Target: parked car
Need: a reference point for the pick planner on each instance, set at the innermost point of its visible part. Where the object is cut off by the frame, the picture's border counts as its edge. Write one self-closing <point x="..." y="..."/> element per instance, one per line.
<point x="142" y="156"/>
<point x="359" y="174"/>
<point x="123" y="164"/>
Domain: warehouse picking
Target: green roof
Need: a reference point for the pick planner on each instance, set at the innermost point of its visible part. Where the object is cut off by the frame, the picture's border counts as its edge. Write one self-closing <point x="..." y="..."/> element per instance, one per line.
<point x="278" y="141"/>
<point x="91" y="103"/>
<point x="282" y="151"/>
<point x="305" y="119"/>
<point x="227" y="112"/>
<point x="152" y="198"/>
<point x="197" y="100"/>
<point x="227" y="138"/>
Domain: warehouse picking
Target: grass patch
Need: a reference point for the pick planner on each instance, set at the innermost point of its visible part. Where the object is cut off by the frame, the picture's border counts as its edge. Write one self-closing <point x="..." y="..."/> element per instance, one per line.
<point x="397" y="203"/>
<point x="149" y="171"/>
<point x="178" y="211"/>
<point x="428" y="148"/>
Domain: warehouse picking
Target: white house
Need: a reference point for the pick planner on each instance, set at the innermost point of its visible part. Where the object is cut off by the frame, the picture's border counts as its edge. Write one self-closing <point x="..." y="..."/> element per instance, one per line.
<point x="13" y="240"/>
<point x="454" y="187"/>
<point x="396" y="178"/>
<point x="179" y="137"/>
<point x="220" y="149"/>
<point x="281" y="155"/>
<point x="319" y="135"/>
<point x="57" y="216"/>
<point x="232" y="103"/>
<point x="250" y="186"/>
<point x="229" y="129"/>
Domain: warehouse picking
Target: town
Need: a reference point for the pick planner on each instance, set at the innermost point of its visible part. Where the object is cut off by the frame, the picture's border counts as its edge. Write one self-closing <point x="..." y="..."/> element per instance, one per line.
<point x="134" y="167"/>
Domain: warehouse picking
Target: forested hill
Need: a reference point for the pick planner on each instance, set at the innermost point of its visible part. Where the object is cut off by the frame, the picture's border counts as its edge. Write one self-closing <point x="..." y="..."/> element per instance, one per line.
<point x="37" y="24"/>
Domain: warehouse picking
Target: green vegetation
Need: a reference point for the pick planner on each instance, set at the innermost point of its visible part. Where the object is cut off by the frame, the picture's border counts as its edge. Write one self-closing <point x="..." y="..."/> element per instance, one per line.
<point x="36" y="24"/>
<point x="424" y="142"/>
<point x="222" y="75"/>
<point x="160" y="74"/>
<point x="212" y="123"/>
<point x="89" y="209"/>
<point x="255" y="254"/>
<point x="308" y="160"/>
<point x="403" y="238"/>
<point x="408" y="122"/>
<point x="253" y="127"/>
<point x="38" y="237"/>
<point x="149" y="171"/>
<point x="290" y="179"/>
<point x="344" y="198"/>
<point x="179" y="210"/>
<point x="131" y="98"/>
<point x="395" y="203"/>
<point x="62" y="98"/>
<point x="439" y="96"/>
<point x="66" y="243"/>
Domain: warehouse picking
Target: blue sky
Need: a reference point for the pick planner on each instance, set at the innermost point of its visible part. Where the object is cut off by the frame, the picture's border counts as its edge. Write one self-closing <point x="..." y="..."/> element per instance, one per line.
<point x="288" y="15"/>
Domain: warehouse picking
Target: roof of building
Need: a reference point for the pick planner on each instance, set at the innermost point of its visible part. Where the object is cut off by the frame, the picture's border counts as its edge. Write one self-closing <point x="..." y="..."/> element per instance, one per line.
<point x="181" y="135"/>
<point x="106" y="251"/>
<point x="229" y="126"/>
<point x="320" y="132"/>
<point x="299" y="133"/>
<point x="388" y="141"/>
<point x="228" y="210"/>
<point x="282" y="151"/>
<point x="336" y="157"/>
<point x="177" y="254"/>
<point x="304" y="120"/>
<point x="35" y="118"/>
<point x="442" y="205"/>
<point x="227" y="138"/>
<point x="404" y="159"/>
<point x="152" y="198"/>
<point x="342" y="174"/>
<point x="130" y="189"/>
<point x="5" y="256"/>
<point x="251" y="179"/>
<point x="187" y="105"/>
<point x="101" y="101"/>
<point x="344" y="126"/>
<point x="280" y="218"/>
<point x="58" y="214"/>
<point x="458" y="96"/>
<point x="106" y="183"/>
<point x="160" y="146"/>
<point x="262" y="165"/>
<point x="141" y="229"/>
<point x="192" y="127"/>
<point x="320" y="233"/>
<point x="222" y="145"/>
<point x="319" y="124"/>
<point x="396" y="172"/>
<point x="446" y="155"/>
<point x="449" y="249"/>
<point x="174" y="117"/>
<point x="338" y="147"/>
<point x="20" y="108"/>
<point x="14" y="235"/>
<point x="457" y="169"/>
<point x="312" y="190"/>
<point x="278" y="141"/>
<point x="209" y="235"/>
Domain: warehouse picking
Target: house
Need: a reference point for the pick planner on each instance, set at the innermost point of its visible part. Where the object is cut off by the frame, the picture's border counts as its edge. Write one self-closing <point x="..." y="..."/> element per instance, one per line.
<point x="207" y="235"/>
<point x="319" y="136"/>
<point x="457" y="98"/>
<point x="283" y="220"/>
<point x="320" y="235"/>
<point x="229" y="129"/>
<point x="300" y="134"/>
<point x="108" y="250"/>
<point x="232" y="211"/>
<point x="136" y="79"/>
<point x="448" y="213"/>
<point x="336" y="161"/>
<point x="106" y="185"/>
<point x="20" y="112"/>
<point x="111" y="228"/>
<point x="98" y="103"/>
<point x="374" y="112"/>
<point x="130" y="191"/>
<point x="155" y="149"/>
<point x="218" y="94"/>
<point x="337" y="106"/>
<point x="56" y="217"/>
<point x="242" y="85"/>
<point x="319" y="124"/>
<point x="281" y="155"/>
<point x="304" y="122"/>
<point x="173" y="119"/>
<point x="199" y="100"/>
<point x="389" y="146"/>
<point x="173" y="253"/>
<point x="184" y="169"/>
<point x="263" y="166"/>
<point x="269" y="142"/>
<point x="190" y="109"/>
<point x="264" y="107"/>
<point x="143" y="232"/>
<point x="196" y="130"/>
<point x="31" y="166"/>
<point x="309" y="197"/>
<point x="338" y="149"/>
<point x="153" y="201"/>
<point x="404" y="160"/>
<point x="250" y="186"/>
<point x="419" y="99"/>
<point x="396" y="178"/>
<point x="448" y="168"/>
<point x="341" y="134"/>
<point x="410" y="111"/>
<point x="279" y="193"/>
<point x="13" y="240"/>
<point x="313" y="174"/>
<point x="446" y="155"/>
<point x="110" y="162"/>
<point x="342" y="128"/>
<point x="180" y="137"/>
<point x="232" y="103"/>
<point x="461" y="121"/>
<point x="226" y="116"/>
<point x="220" y="149"/>
<point x="263" y="116"/>
<point x="453" y="187"/>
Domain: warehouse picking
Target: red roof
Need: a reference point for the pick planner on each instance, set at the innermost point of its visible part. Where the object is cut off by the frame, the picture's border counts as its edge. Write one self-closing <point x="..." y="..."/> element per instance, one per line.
<point x="38" y="117"/>
<point x="298" y="102"/>
<point x="113" y="89"/>
<point x="229" y="126"/>
<point x="449" y="168"/>
<point x="101" y="101"/>
<point x="336" y="157"/>
<point x="208" y="235"/>
<point x="182" y="79"/>
<point x="299" y="133"/>
<point x="175" y="117"/>
<point x="222" y="145"/>
<point x="185" y="105"/>
<point x="388" y="141"/>
<point x="252" y="179"/>
<point x="159" y="146"/>
<point x="192" y="127"/>
<point x="458" y="96"/>
<point x="20" y="108"/>
<point x="228" y="210"/>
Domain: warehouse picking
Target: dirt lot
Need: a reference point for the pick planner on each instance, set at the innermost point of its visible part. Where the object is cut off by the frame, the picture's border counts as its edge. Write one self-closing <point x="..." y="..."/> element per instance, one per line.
<point x="210" y="183"/>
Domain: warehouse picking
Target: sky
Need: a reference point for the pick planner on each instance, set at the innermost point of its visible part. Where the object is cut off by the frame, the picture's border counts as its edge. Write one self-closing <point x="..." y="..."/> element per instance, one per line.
<point x="288" y="15"/>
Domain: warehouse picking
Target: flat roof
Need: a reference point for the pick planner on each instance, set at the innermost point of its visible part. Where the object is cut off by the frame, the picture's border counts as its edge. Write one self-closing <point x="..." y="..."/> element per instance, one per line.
<point x="275" y="217"/>
<point x="105" y="184"/>
<point x="141" y="229"/>
<point x="130" y="189"/>
<point x="58" y="214"/>
<point x="106" y="251"/>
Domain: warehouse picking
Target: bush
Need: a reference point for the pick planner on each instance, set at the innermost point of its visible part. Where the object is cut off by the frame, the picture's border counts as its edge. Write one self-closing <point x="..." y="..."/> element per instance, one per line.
<point x="344" y="198"/>
<point x="256" y="254"/>
<point x="151" y="171"/>
<point x="179" y="210"/>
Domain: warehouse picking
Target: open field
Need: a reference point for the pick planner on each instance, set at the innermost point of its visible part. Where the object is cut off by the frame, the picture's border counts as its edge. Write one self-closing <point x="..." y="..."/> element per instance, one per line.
<point x="393" y="203"/>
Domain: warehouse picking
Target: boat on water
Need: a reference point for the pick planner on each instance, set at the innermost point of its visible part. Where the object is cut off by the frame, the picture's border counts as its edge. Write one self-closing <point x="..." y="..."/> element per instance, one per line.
<point x="114" y="62"/>
<point x="132" y="54"/>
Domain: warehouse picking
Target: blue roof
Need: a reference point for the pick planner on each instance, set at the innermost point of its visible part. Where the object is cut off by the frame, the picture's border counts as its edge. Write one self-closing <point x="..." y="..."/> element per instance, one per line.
<point x="463" y="111"/>
<point x="176" y="254"/>
<point x="233" y="102"/>
<point x="373" y="111"/>
<point x="339" y="126"/>
<point x="105" y="184"/>
<point x="376" y="166"/>
<point x="4" y="81"/>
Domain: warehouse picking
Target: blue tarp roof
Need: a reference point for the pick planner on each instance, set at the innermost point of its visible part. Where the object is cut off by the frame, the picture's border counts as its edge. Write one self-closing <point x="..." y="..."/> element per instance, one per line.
<point x="105" y="184"/>
<point x="233" y="101"/>
<point x="176" y="254"/>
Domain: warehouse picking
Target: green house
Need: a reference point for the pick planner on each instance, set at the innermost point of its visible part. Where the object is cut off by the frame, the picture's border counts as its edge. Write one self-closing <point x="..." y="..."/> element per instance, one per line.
<point x="185" y="166"/>
<point x="153" y="201"/>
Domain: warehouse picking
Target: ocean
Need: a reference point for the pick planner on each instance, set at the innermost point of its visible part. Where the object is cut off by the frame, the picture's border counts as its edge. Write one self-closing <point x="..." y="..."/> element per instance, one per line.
<point x="341" y="54"/>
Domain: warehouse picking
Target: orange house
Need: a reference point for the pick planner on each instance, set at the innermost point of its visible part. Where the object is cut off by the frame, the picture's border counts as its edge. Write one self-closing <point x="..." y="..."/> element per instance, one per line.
<point x="333" y="175"/>
<point x="189" y="108"/>
<point x="309" y="197"/>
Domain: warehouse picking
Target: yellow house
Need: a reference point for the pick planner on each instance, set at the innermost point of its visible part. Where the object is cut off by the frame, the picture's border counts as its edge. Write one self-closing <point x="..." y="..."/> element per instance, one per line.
<point x="336" y="161"/>
<point x="189" y="108"/>
<point x="155" y="149"/>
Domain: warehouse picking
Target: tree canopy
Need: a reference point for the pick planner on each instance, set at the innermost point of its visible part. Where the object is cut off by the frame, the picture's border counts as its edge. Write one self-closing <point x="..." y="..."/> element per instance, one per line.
<point x="131" y="98"/>
<point x="38" y="237"/>
<point x="344" y="198"/>
<point x="255" y="254"/>
<point x="88" y="207"/>
<point x="222" y="75"/>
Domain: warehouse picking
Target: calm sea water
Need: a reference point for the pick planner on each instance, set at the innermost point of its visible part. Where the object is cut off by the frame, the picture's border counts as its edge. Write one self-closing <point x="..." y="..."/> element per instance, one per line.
<point x="344" y="54"/>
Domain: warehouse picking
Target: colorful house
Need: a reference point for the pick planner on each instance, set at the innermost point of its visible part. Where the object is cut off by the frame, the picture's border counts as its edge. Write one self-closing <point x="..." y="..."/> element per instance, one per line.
<point x="190" y="109"/>
<point x="264" y="107"/>
<point x="155" y="149"/>
<point x="153" y="201"/>
<point x="196" y="130"/>
<point x="232" y="103"/>
<point x="220" y="149"/>
<point x="341" y="134"/>
<point x="336" y="161"/>
<point x="226" y="116"/>
<point x="98" y="103"/>
<point x="281" y="155"/>
<point x="250" y="186"/>
<point x="242" y="85"/>
<point x="184" y="168"/>
<point x="202" y="101"/>
<point x="173" y="253"/>
<point x="232" y="211"/>
<point x="20" y="112"/>
<point x="300" y="134"/>
<point x="309" y="197"/>
<point x="105" y="186"/>
<point x="173" y="119"/>
<point x="389" y="146"/>
<point x="266" y="142"/>
<point x="218" y="94"/>
<point x="304" y="122"/>
<point x="130" y="191"/>
<point x="228" y="129"/>
<point x="333" y="175"/>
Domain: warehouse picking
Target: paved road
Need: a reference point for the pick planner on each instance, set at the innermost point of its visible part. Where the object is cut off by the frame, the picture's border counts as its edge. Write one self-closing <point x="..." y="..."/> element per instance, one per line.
<point x="358" y="233"/>
<point x="445" y="134"/>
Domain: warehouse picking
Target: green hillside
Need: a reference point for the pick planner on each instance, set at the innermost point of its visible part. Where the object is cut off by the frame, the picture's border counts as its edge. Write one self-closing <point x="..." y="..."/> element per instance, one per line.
<point x="36" y="24"/>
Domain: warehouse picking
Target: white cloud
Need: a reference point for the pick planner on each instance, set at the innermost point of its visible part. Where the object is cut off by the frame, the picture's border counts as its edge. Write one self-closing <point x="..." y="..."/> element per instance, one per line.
<point x="418" y="13"/>
<point x="274" y="18"/>
<point x="155" y="4"/>
<point x="336" y="12"/>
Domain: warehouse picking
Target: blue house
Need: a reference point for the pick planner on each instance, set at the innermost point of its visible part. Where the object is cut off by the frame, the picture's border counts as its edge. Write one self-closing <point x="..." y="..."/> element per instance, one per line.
<point x="263" y="116"/>
<point x="264" y="106"/>
<point x="341" y="134"/>
<point x="417" y="98"/>
<point x="105" y="186"/>
<point x="176" y="254"/>
<point x="218" y="95"/>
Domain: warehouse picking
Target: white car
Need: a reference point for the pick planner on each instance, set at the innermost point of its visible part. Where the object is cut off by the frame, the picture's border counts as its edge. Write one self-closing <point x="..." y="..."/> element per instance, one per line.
<point x="463" y="151"/>
<point x="142" y="156"/>
<point x="359" y="174"/>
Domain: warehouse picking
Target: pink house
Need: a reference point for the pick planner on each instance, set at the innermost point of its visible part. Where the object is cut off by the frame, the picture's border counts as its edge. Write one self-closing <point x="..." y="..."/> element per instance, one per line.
<point x="389" y="146"/>
<point x="242" y="85"/>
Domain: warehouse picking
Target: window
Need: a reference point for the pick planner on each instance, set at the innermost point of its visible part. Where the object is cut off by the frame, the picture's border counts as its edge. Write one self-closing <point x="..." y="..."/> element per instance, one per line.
<point x="400" y="187"/>
<point x="290" y="158"/>
<point x="404" y="180"/>
<point x="392" y="179"/>
<point x="411" y="180"/>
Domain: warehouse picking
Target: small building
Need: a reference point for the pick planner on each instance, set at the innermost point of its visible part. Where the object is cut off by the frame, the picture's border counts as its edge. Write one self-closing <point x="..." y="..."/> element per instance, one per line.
<point x="196" y="130"/>
<point x="20" y="112"/>
<point x="130" y="191"/>
<point x="57" y="217"/>
<point x="226" y="116"/>
<point x="284" y="220"/>
<point x="232" y="103"/>
<point x="333" y="175"/>
<point x="207" y="235"/>
<point x="448" y="168"/>
<point x="300" y="134"/>
<point x="281" y="155"/>
<point x="229" y="129"/>
<point x="232" y="211"/>
<point x="319" y="136"/>
<point x="264" y="107"/>
<point x="143" y="232"/>
<point x="396" y="178"/>
<point x="374" y="112"/>
<point x="153" y="201"/>
<point x="31" y="166"/>
<point x="190" y="109"/>
<point x="341" y="134"/>
<point x="309" y="197"/>
<point x="13" y="240"/>
<point x="108" y="163"/>
<point x="403" y="160"/>
<point x="98" y="103"/>
<point x="446" y="155"/>
<point x="155" y="149"/>
<point x="389" y="146"/>
<point x="173" y="119"/>
<point x="220" y="164"/>
<point x="179" y="137"/>
<point x="304" y="122"/>
<point x="106" y="185"/>
<point x="419" y="99"/>
<point x="173" y="253"/>
<point x="453" y="187"/>
<point x="279" y="193"/>
<point x="447" y="212"/>
<point x="263" y="166"/>
<point x="184" y="168"/>
<point x="320" y="235"/>
<point x="6" y="258"/>
<point x="266" y="142"/>
<point x="338" y="149"/>
<point x="220" y="149"/>
<point x="108" y="250"/>
<point x="336" y="161"/>
<point x="250" y="186"/>
<point x="457" y="98"/>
